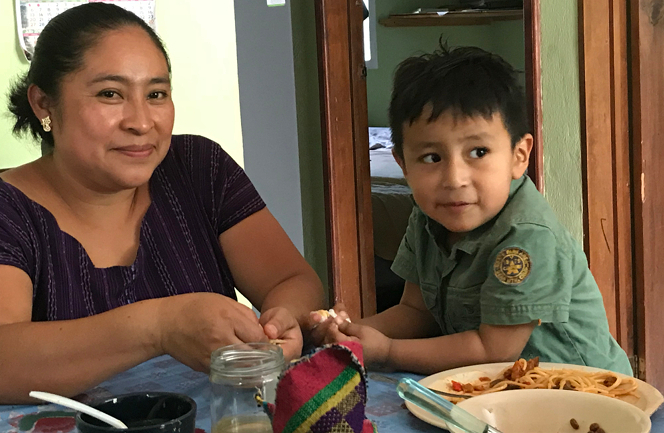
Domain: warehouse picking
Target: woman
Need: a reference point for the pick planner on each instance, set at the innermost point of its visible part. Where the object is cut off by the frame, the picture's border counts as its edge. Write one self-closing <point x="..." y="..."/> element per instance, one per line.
<point x="124" y="242"/>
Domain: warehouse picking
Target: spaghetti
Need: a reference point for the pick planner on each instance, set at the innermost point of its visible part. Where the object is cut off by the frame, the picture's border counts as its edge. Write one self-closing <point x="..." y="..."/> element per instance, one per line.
<point x="528" y="375"/>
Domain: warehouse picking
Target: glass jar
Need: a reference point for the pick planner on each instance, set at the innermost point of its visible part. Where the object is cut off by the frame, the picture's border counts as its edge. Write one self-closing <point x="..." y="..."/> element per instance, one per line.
<point x="238" y="373"/>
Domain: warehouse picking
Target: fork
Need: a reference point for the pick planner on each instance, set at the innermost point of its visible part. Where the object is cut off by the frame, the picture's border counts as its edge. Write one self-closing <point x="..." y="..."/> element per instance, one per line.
<point x="388" y="379"/>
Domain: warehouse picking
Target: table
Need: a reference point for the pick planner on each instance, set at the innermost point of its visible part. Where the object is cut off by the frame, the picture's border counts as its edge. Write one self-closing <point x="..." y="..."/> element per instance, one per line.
<point x="384" y="406"/>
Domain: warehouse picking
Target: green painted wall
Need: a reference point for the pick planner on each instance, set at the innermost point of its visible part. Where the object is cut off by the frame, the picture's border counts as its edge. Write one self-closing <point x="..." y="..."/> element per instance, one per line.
<point x="560" y="87"/>
<point x="561" y="112"/>
<point x="204" y="60"/>
<point x="13" y="151"/>
<point x="397" y="43"/>
<point x="309" y="135"/>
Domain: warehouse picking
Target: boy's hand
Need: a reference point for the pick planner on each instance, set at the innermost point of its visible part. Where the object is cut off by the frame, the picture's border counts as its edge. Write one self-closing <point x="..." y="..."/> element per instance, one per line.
<point x="319" y="325"/>
<point x="376" y="346"/>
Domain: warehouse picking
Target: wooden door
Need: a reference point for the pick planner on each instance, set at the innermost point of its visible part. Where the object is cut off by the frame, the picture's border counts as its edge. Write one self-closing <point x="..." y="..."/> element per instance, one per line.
<point x="623" y="157"/>
<point x="647" y="87"/>
<point x="605" y="154"/>
<point x="345" y="139"/>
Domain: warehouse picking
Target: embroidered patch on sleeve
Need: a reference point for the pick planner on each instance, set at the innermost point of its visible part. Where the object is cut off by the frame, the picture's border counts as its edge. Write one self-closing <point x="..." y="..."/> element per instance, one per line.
<point x="512" y="266"/>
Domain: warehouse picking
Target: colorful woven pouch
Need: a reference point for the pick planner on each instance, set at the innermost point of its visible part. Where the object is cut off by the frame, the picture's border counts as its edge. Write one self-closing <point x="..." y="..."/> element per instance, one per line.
<point x="325" y="392"/>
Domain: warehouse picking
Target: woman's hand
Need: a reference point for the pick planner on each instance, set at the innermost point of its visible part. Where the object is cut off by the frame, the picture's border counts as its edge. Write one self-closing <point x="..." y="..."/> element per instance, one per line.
<point x="193" y="325"/>
<point x="269" y="270"/>
<point x="279" y="323"/>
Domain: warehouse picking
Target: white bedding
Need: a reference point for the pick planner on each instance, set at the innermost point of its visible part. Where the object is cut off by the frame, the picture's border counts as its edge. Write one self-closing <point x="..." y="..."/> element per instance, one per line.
<point x="383" y="165"/>
<point x="380" y="137"/>
<point x="380" y="154"/>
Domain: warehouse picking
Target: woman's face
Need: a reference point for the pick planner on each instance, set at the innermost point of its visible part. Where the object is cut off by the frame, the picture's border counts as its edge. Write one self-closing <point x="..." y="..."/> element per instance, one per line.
<point x="113" y="121"/>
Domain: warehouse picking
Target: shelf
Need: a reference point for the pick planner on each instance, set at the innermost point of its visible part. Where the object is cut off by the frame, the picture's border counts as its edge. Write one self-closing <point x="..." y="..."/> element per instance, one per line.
<point x="457" y="18"/>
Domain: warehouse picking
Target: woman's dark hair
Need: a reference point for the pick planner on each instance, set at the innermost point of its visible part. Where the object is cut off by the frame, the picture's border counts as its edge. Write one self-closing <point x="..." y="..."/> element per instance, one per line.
<point x="467" y="81"/>
<point x="60" y="50"/>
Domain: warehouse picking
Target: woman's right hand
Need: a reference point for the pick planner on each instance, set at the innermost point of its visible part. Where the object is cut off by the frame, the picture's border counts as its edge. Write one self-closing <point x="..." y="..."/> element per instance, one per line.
<point x="193" y="325"/>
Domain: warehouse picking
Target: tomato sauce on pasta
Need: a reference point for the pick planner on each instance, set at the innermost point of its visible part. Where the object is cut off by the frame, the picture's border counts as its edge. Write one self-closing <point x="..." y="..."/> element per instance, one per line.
<point x="528" y="375"/>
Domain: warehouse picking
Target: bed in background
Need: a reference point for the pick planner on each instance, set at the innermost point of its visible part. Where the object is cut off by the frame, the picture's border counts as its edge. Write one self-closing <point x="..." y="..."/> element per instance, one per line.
<point x="392" y="202"/>
<point x="391" y="197"/>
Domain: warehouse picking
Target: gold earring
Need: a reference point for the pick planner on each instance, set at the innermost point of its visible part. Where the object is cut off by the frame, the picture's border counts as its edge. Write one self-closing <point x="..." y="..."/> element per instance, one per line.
<point x="46" y="123"/>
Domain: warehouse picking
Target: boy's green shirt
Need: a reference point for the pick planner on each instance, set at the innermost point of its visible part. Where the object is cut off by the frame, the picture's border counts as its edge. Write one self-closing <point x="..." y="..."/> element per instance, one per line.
<point x="521" y="266"/>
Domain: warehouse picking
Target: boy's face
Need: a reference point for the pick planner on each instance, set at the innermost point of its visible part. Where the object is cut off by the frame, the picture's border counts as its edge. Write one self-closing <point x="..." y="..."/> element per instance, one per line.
<point x="460" y="169"/>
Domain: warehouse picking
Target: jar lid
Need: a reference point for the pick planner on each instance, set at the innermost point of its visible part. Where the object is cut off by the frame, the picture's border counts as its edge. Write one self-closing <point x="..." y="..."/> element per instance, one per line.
<point x="246" y="360"/>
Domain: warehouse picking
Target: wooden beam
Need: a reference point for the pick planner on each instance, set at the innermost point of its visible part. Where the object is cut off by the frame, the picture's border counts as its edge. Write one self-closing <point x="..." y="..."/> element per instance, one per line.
<point x="337" y="128"/>
<point x="622" y="185"/>
<point x="647" y="48"/>
<point x="454" y="18"/>
<point x="358" y="73"/>
<point x="597" y="149"/>
<point x="531" y="16"/>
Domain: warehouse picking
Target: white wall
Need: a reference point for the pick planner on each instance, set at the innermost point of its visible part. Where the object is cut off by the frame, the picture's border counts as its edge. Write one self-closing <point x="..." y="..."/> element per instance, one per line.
<point x="200" y="38"/>
<point x="267" y="104"/>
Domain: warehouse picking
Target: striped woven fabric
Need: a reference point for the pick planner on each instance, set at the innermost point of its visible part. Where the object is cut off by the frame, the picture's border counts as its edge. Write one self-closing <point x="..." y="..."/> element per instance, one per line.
<point x="324" y="393"/>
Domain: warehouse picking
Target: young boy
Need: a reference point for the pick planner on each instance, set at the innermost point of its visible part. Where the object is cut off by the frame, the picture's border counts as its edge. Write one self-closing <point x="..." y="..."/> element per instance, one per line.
<point x="491" y="274"/>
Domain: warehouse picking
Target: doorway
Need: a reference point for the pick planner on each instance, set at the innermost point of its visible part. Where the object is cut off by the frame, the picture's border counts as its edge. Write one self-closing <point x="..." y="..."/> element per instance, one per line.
<point x="365" y="194"/>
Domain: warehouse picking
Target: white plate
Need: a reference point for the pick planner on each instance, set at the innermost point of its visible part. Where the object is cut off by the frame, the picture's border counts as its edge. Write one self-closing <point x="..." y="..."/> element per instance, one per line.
<point x="649" y="398"/>
<point x="522" y="411"/>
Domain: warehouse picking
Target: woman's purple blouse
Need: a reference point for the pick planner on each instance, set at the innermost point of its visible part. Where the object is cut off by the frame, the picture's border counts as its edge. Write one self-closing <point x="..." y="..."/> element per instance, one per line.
<point x="197" y="193"/>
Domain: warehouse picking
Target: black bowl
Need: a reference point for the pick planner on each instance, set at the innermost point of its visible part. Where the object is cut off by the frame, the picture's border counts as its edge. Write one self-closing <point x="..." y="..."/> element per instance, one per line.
<point x="144" y="412"/>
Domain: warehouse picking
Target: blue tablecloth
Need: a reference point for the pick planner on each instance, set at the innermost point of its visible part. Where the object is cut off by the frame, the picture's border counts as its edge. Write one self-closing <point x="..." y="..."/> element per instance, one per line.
<point x="384" y="406"/>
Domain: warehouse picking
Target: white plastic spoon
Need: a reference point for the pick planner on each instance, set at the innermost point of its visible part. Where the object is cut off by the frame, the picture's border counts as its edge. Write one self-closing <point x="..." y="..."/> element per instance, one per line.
<point x="72" y="404"/>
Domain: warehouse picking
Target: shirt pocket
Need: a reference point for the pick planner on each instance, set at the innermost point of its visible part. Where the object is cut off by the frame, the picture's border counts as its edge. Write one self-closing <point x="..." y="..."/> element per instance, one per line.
<point x="463" y="311"/>
<point x="432" y="300"/>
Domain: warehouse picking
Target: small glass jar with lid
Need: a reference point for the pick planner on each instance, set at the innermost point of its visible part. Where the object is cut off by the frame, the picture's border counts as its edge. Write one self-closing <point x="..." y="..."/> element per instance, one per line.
<point x="239" y="373"/>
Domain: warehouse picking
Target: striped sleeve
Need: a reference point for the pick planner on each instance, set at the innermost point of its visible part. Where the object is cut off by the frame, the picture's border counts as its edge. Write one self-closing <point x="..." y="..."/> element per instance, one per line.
<point x="16" y="237"/>
<point x="226" y="192"/>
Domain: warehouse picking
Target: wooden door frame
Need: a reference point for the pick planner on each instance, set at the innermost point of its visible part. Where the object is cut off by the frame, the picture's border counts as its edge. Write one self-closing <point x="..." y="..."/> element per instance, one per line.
<point x="532" y="36"/>
<point x="605" y="151"/>
<point x="622" y="103"/>
<point x="647" y="103"/>
<point x="344" y="122"/>
<point x="344" y="125"/>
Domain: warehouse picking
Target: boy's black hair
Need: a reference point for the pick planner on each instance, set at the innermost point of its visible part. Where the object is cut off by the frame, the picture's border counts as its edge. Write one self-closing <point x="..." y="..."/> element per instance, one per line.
<point x="467" y="81"/>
